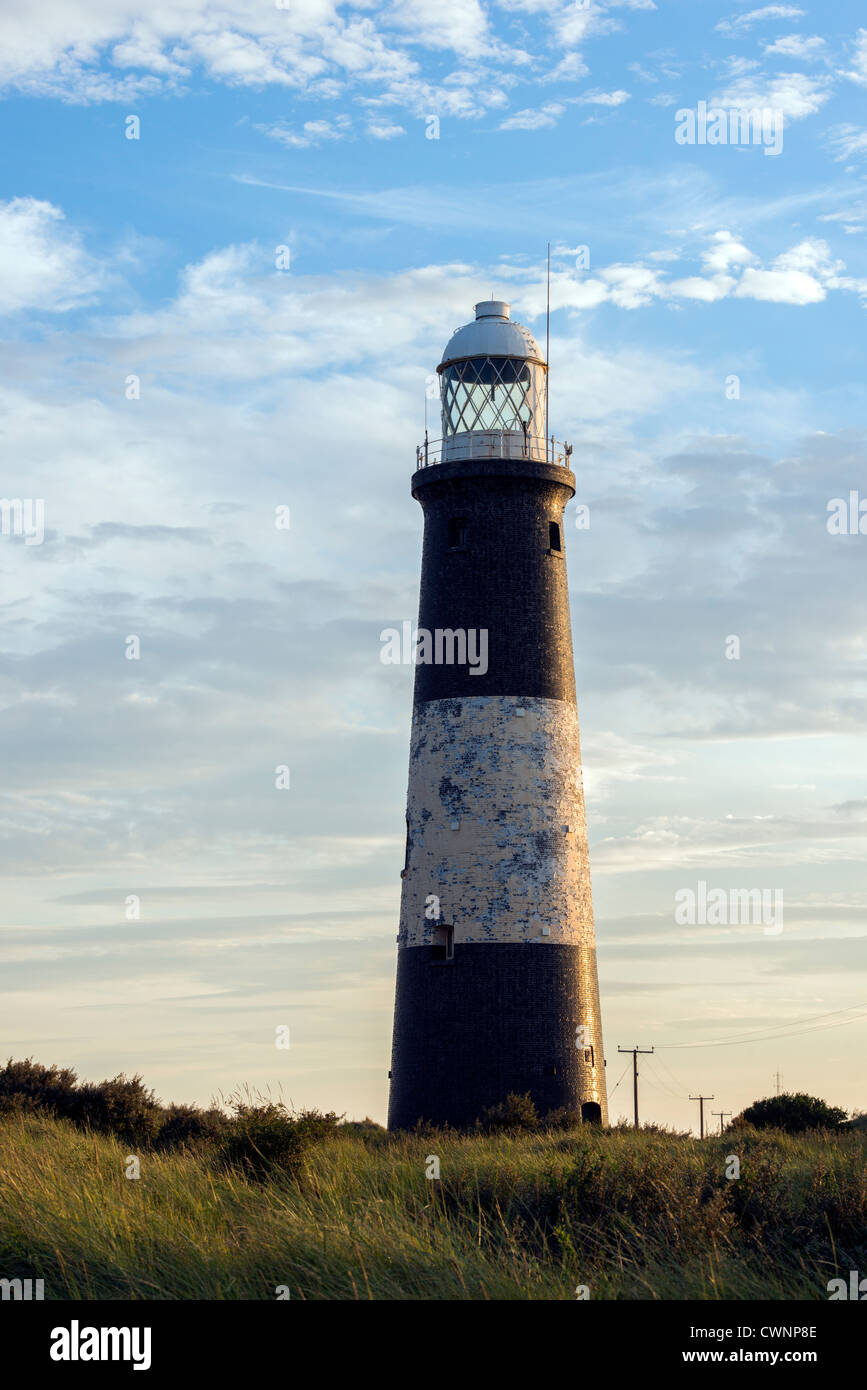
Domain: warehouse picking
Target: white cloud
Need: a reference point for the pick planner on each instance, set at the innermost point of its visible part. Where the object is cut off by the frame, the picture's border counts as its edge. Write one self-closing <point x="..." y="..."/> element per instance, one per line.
<point x="534" y="119"/>
<point x="697" y="287"/>
<point x="726" y="251"/>
<point x="797" y="46"/>
<point x="793" y="93"/>
<point x="779" y="286"/>
<point x="858" y="73"/>
<point x="632" y="286"/>
<point x="311" y="133"/>
<point x="851" y="219"/>
<point x="597" y="98"/>
<point x="231" y="41"/>
<point x="573" y="25"/>
<point x="848" y="141"/>
<point x="113" y="50"/>
<point x="43" y="265"/>
<point x="570" y="68"/>
<point x="799" y="276"/>
<point x="472" y="94"/>
<point x="741" y="23"/>
<point x="462" y="28"/>
<point x="383" y="131"/>
<point x="784" y="285"/>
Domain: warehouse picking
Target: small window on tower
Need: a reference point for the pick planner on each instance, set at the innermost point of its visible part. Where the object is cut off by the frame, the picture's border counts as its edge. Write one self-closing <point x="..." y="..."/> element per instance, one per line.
<point x="589" y="1058"/>
<point x="444" y="943"/>
<point x="554" y="535"/>
<point x="457" y="533"/>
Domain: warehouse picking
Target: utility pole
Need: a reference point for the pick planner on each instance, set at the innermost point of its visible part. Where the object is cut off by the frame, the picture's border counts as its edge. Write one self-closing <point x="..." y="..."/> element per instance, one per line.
<point x="778" y="1079"/>
<point x="701" y="1100"/>
<point x="723" y="1115"/>
<point x="644" y="1051"/>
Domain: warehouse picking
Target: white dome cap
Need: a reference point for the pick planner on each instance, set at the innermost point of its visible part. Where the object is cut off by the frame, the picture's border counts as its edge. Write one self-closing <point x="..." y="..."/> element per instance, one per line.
<point x="492" y="334"/>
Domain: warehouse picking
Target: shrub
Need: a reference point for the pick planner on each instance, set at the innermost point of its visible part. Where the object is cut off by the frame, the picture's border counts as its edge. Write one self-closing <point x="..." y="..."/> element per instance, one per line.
<point x="122" y="1106"/>
<point x="858" y="1121"/>
<point x="562" y="1118"/>
<point x="514" y="1113"/>
<point x="260" y="1139"/>
<point x="372" y="1134"/>
<point x="28" y="1086"/>
<point x="185" y="1126"/>
<point x="793" y="1113"/>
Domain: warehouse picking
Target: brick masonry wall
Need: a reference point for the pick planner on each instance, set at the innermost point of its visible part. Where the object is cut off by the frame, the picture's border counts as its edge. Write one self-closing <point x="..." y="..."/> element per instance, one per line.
<point x="497" y="1019"/>
<point x="517" y="1007"/>
<point x="505" y="579"/>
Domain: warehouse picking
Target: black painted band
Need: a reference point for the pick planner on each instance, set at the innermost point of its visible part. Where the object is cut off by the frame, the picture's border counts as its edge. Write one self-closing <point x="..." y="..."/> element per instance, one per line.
<point x="490" y="563"/>
<point x="497" y="1019"/>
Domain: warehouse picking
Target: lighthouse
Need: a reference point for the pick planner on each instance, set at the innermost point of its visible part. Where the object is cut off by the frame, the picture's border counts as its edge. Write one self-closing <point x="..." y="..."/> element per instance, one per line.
<point x="497" y="987"/>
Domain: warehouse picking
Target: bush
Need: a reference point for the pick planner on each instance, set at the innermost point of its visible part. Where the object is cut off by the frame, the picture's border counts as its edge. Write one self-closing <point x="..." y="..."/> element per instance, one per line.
<point x="792" y="1113"/>
<point x="28" y="1086"/>
<point x="261" y="1139"/>
<point x="185" y="1126"/>
<point x="372" y="1134"/>
<point x="514" y="1113"/>
<point x="562" y="1118"/>
<point x="122" y="1106"/>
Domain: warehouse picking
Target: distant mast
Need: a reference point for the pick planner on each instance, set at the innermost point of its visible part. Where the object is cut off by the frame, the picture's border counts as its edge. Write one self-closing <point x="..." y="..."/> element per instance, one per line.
<point x="496" y="980"/>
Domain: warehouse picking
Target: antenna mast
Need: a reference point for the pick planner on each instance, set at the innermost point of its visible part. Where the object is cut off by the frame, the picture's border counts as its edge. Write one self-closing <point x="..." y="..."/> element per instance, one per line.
<point x="547" y="349"/>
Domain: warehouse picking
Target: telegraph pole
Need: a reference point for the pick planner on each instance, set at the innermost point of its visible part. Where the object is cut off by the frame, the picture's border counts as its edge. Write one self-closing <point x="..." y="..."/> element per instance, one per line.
<point x="644" y="1051"/>
<point x="701" y="1100"/>
<point x="723" y="1114"/>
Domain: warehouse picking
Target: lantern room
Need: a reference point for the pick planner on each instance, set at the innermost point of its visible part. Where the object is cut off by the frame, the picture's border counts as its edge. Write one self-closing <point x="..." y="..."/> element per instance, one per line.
<point x="492" y="387"/>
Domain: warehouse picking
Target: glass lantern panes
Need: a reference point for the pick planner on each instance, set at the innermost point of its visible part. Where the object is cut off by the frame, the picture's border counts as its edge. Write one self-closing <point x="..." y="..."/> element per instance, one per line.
<point x="489" y="394"/>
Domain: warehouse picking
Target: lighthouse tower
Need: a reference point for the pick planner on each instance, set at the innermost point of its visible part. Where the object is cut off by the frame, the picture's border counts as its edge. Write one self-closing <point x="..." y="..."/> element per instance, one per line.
<point x="496" y="981"/>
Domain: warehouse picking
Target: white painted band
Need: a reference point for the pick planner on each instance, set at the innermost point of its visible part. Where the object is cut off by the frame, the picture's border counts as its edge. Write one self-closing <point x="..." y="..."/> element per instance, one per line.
<point x="497" y="841"/>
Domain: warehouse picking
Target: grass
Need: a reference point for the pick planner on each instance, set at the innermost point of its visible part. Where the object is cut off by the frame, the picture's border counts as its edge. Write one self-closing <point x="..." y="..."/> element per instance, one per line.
<point x="643" y="1215"/>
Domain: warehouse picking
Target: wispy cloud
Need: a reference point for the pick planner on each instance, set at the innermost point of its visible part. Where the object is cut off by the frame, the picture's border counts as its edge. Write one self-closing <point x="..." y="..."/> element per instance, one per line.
<point x="739" y="24"/>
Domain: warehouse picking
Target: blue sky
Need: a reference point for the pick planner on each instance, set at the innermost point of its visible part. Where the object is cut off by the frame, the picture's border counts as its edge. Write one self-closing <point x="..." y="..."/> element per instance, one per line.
<point x="260" y="387"/>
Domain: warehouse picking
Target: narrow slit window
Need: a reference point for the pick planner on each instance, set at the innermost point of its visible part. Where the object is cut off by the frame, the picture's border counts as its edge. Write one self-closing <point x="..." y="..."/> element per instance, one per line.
<point x="444" y="943"/>
<point x="457" y="533"/>
<point x="554" y="535"/>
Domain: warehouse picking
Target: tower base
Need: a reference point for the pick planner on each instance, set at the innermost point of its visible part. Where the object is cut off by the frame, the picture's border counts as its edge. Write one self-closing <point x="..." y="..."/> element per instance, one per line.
<point x="498" y="1018"/>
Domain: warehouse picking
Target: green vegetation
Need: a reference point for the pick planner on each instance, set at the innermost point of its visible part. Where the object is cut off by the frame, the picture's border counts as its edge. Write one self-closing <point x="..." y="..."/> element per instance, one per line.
<point x="235" y="1205"/>
<point x="794" y="1113"/>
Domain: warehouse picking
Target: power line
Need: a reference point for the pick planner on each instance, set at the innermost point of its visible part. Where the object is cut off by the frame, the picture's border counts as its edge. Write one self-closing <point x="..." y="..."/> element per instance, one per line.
<point x="617" y="1083"/>
<point x="660" y="1061"/>
<point x="663" y="1085"/>
<point x="768" y="1037"/>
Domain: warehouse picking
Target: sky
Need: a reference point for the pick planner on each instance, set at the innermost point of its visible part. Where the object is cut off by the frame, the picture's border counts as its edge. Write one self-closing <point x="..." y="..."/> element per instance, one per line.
<point x="234" y="240"/>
